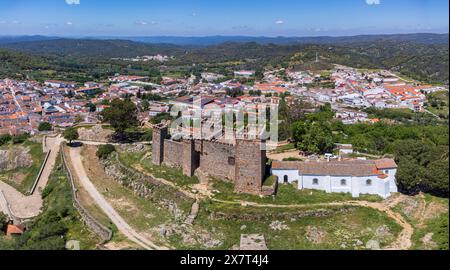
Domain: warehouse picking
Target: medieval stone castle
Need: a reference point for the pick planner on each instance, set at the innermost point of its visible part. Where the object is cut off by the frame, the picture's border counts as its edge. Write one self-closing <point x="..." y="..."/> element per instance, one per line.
<point x="242" y="162"/>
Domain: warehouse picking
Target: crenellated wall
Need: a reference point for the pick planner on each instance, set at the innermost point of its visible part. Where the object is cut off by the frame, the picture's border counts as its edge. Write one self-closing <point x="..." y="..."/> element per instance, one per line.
<point x="242" y="164"/>
<point x="218" y="160"/>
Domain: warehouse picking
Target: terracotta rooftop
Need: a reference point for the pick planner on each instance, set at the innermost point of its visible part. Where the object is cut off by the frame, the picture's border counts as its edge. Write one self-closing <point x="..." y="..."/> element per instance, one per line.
<point x="385" y="163"/>
<point x="356" y="168"/>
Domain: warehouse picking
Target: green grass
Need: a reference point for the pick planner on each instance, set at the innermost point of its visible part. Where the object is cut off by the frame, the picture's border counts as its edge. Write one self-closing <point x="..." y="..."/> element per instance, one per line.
<point x="171" y="174"/>
<point x="439" y="228"/>
<point x="355" y="223"/>
<point x="437" y="225"/>
<point x="269" y="181"/>
<point x="59" y="221"/>
<point x="142" y="214"/>
<point x="30" y="173"/>
<point x="284" y="148"/>
<point x="287" y="194"/>
<point x="441" y="103"/>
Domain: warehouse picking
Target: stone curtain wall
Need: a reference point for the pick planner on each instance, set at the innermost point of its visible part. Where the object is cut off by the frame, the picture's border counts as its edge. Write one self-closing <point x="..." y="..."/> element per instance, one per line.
<point x="173" y="153"/>
<point x="214" y="159"/>
<point x="104" y="233"/>
<point x="244" y="164"/>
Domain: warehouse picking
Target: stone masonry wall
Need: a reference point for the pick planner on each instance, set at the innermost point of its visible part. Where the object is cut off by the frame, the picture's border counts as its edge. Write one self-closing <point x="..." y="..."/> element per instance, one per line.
<point x="147" y="187"/>
<point x="250" y="166"/>
<point x="159" y="135"/>
<point x="243" y="164"/>
<point x="214" y="160"/>
<point x="191" y="158"/>
<point x="173" y="153"/>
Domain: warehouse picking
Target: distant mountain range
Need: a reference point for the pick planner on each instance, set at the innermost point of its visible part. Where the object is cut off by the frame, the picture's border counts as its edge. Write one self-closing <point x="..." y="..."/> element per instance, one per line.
<point x="420" y="38"/>
<point x="421" y="56"/>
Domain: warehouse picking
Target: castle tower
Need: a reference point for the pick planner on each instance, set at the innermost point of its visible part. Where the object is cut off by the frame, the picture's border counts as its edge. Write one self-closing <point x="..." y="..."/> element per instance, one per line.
<point x="159" y="134"/>
<point x="250" y="166"/>
<point x="191" y="158"/>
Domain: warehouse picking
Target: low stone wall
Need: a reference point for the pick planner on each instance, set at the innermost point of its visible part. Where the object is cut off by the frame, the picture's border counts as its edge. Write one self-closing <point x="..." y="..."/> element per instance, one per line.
<point x="104" y="233"/>
<point x="33" y="188"/>
<point x="264" y="216"/>
<point x="147" y="187"/>
<point x="269" y="190"/>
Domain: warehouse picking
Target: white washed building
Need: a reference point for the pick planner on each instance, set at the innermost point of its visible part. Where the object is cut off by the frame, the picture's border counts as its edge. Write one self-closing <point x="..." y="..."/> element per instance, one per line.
<point x="350" y="176"/>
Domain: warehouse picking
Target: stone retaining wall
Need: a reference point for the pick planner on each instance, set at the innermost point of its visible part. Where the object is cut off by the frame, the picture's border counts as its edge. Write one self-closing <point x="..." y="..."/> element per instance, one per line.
<point x="104" y="233"/>
<point x="142" y="185"/>
<point x="261" y="216"/>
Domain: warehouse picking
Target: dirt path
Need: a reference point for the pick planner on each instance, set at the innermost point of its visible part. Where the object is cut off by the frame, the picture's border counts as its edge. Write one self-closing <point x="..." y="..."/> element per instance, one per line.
<point x="286" y="154"/>
<point x="26" y="207"/>
<point x="122" y="225"/>
<point x="402" y="242"/>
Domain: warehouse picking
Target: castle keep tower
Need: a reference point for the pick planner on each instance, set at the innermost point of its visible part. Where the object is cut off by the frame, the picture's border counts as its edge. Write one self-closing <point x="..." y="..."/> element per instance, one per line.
<point x="191" y="158"/>
<point x="159" y="135"/>
<point x="250" y="166"/>
<point x="243" y="163"/>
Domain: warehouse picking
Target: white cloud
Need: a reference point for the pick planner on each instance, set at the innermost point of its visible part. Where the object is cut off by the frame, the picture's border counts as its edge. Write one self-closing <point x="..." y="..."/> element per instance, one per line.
<point x="373" y="2"/>
<point x="279" y="22"/>
<point x="69" y="23"/>
<point x="73" y="2"/>
<point x="143" y="23"/>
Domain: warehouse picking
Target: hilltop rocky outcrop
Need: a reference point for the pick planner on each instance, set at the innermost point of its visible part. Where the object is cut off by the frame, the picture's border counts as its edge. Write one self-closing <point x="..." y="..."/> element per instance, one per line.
<point x="17" y="157"/>
<point x="97" y="133"/>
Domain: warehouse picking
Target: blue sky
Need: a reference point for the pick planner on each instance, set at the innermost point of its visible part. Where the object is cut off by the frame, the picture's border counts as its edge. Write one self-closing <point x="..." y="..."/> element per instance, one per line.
<point x="222" y="17"/>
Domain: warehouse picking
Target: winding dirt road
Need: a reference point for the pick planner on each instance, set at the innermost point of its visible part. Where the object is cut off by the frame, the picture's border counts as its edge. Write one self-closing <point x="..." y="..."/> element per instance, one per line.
<point x="26" y="207"/>
<point x="122" y="225"/>
<point x="403" y="241"/>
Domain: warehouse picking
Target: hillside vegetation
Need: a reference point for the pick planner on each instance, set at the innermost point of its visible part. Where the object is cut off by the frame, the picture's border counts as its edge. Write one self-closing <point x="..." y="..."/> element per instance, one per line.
<point x="420" y="56"/>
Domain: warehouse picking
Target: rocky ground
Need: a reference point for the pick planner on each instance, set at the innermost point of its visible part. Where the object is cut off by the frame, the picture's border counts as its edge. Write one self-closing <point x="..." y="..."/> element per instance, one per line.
<point x="15" y="157"/>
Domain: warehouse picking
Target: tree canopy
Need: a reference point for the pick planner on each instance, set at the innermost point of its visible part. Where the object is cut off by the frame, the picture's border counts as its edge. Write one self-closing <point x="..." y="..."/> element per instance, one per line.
<point x="71" y="134"/>
<point x="121" y="114"/>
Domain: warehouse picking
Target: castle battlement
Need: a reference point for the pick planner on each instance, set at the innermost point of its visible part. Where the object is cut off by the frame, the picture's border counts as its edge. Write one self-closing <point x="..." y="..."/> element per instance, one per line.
<point x="242" y="162"/>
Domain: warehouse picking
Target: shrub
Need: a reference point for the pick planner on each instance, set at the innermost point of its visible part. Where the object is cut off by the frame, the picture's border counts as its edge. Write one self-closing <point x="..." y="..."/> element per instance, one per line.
<point x="104" y="151"/>
<point x="45" y="126"/>
<point x="20" y="138"/>
<point x="3" y="221"/>
<point x="147" y="136"/>
<point x="71" y="134"/>
<point x="4" y="139"/>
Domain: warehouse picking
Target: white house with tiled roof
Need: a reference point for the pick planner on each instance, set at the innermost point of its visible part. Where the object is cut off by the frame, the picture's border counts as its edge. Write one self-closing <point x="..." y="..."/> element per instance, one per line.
<point x="351" y="176"/>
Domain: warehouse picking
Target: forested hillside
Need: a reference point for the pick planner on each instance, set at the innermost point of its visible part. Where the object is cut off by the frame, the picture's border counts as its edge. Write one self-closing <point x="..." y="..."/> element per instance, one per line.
<point x="411" y="55"/>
